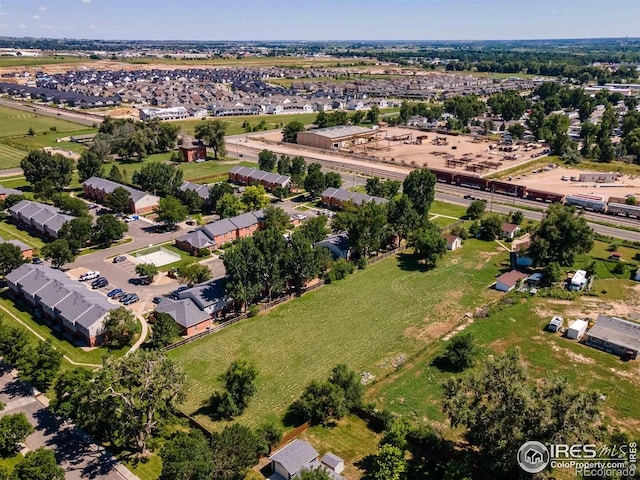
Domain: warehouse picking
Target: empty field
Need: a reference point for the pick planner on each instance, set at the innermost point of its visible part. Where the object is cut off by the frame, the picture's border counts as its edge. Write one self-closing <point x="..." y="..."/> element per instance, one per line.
<point x="10" y="157"/>
<point x="17" y="122"/>
<point x="370" y="321"/>
<point x="234" y="124"/>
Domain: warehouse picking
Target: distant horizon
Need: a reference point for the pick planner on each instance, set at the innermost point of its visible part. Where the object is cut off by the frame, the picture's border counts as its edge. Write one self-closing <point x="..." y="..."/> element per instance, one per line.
<point x="319" y="20"/>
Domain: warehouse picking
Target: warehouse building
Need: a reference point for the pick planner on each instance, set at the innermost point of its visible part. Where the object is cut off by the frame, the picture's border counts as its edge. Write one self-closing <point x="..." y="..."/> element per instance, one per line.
<point x="336" y="138"/>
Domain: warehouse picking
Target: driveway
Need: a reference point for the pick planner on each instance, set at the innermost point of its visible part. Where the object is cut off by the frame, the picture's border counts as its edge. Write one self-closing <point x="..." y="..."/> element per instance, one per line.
<point x="79" y="457"/>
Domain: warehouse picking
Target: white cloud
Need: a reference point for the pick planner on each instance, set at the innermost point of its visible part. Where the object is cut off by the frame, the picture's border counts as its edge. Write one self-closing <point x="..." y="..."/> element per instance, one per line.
<point x="36" y="17"/>
<point x="42" y="9"/>
<point x="86" y="1"/>
<point x="92" y="26"/>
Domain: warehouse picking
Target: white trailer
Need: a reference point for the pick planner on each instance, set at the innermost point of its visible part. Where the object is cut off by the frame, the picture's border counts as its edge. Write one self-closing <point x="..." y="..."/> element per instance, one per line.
<point x="578" y="281"/>
<point x="577" y="329"/>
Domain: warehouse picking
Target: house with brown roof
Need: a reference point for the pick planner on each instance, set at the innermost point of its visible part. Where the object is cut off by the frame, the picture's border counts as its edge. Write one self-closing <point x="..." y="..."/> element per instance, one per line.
<point x="509" y="230"/>
<point x="508" y="281"/>
<point x="453" y="242"/>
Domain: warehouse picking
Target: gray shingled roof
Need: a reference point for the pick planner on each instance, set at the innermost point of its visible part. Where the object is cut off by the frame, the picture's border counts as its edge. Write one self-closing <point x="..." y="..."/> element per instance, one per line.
<point x="338" y="244"/>
<point x="331" y="460"/>
<point x="201" y="190"/>
<point x="210" y="296"/>
<point x="247" y="219"/>
<point x="108" y="186"/>
<point x="356" y="197"/>
<point x="184" y="312"/>
<point x="197" y="239"/>
<point x="294" y="456"/>
<point x="21" y="245"/>
<point x="9" y="191"/>
<point x="617" y="331"/>
<point x="221" y="227"/>
<point x="44" y="217"/>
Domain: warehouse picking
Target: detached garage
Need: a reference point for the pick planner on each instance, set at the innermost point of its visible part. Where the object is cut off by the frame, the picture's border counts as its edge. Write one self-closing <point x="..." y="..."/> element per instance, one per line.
<point x="507" y="281"/>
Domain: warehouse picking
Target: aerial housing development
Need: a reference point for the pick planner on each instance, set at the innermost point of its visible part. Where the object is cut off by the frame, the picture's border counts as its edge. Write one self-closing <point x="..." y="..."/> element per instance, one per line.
<point x="319" y="259"/>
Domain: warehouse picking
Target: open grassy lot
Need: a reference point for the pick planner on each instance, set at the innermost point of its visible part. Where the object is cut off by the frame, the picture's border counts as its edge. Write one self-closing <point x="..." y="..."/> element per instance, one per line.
<point x="49" y="139"/>
<point x="44" y="60"/>
<point x="8" y="231"/>
<point x="370" y="321"/>
<point x="17" y="122"/>
<point x="210" y="171"/>
<point x="10" y="157"/>
<point x="449" y="209"/>
<point x="234" y="124"/>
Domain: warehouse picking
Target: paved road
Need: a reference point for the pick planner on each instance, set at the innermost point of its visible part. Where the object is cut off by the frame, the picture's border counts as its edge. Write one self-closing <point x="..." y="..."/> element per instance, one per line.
<point x="80" y="117"/>
<point x="80" y="458"/>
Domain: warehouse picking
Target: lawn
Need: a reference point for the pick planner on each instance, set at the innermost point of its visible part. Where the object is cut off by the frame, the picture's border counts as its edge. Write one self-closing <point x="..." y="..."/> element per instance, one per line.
<point x="59" y="342"/>
<point x="448" y="209"/>
<point x="10" y="157"/>
<point x="50" y="139"/>
<point x="234" y="124"/>
<point x="17" y="122"/>
<point x="8" y="231"/>
<point x="210" y="171"/>
<point x="371" y="321"/>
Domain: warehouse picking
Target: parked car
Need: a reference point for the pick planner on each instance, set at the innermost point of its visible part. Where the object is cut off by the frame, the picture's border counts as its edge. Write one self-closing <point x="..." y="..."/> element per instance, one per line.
<point x="157" y="300"/>
<point x="37" y="260"/>
<point x="114" y="292"/>
<point x="132" y="299"/>
<point x="99" y="283"/>
<point x="121" y="295"/>
<point x="469" y="197"/>
<point x="126" y="297"/>
<point x="131" y="218"/>
<point x="119" y="258"/>
<point x="89" y="276"/>
<point x="93" y="206"/>
<point x="191" y="223"/>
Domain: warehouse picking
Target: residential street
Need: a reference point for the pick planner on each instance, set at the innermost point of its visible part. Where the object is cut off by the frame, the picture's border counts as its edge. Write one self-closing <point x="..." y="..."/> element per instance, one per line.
<point x="80" y="458"/>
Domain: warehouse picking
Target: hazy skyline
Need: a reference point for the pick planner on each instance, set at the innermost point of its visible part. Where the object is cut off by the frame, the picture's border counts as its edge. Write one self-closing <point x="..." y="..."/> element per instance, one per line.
<point x="319" y="19"/>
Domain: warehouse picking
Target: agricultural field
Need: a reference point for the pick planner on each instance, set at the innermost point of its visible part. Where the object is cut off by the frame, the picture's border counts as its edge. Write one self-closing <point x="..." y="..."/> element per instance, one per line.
<point x="37" y="61"/>
<point x="287" y="62"/>
<point x="17" y="122"/>
<point x="373" y="321"/>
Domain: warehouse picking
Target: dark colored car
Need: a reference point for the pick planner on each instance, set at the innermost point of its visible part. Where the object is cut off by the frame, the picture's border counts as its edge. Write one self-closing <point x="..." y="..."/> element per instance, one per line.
<point x="37" y="261"/>
<point x="131" y="299"/>
<point x="100" y="282"/>
<point x="121" y="295"/>
<point x="119" y="258"/>
<point x="114" y="292"/>
<point x="157" y="300"/>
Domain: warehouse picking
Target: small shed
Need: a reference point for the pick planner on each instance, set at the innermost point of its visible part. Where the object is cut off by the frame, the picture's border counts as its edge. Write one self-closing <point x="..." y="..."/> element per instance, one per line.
<point x="555" y="324"/>
<point x="577" y="329"/>
<point x="333" y="462"/>
<point x="453" y="242"/>
<point x="507" y="281"/>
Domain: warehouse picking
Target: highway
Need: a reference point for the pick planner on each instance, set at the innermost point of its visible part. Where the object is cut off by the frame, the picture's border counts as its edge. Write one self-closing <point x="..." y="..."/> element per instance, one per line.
<point x="355" y="173"/>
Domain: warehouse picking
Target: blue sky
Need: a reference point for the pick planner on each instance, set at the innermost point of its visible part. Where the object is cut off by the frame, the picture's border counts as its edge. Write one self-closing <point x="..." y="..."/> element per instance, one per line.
<point x="320" y="19"/>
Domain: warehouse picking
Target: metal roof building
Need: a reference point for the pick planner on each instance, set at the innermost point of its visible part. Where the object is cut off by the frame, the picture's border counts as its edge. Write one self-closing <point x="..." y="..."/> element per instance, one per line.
<point x="334" y="138"/>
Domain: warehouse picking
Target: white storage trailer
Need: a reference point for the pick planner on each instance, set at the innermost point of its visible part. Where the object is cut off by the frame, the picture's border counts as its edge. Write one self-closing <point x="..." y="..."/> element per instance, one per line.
<point x="579" y="280"/>
<point x="577" y="329"/>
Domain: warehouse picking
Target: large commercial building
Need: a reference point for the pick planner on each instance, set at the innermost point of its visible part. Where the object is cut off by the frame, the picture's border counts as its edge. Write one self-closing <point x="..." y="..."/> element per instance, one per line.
<point x="174" y="113"/>
<point x="61" y="302"/>
<point x="336" y="138"/>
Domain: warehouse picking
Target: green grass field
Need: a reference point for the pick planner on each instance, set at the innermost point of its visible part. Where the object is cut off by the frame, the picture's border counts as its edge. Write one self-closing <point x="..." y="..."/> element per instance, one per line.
<point x="234" y="124"/>
<point x="17" y="122"/>
<point x="49" y="139"/>
<point x="390" y="309"/>
<point x="10" y="157"/>
<point x="8" y="231"/>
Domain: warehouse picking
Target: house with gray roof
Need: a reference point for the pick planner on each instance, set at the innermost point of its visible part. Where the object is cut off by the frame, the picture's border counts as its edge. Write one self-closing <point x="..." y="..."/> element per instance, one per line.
<point x="46" y="220"/>
<point x="97" y="189"/>
<point x="337" y="244"/>
<point x="62" y="302"/>
<point x="210" y="297"/>
<point x="186" y="314"/>
<point x="201" y="190"/>
<point x="615" y="335"/>
<point x="251" y="176"/>
<point x="4" y="192"/>
<point x="337" y="197"/>
<point x="297" y="456"/>
<point x="26" y="250"/>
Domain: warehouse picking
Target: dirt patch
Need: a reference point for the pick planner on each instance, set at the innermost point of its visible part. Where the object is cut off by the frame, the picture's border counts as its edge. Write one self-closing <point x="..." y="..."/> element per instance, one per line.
<point x="448" y="314"/>
<point x="631" y="376"/>
<point x="576" y="357"/>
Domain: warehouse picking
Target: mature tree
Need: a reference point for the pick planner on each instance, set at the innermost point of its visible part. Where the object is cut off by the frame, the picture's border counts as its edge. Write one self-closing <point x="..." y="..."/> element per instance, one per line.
<point x="535" y="122"/>
<point x="194" y="273"/>
<point x="10" y="258"/>
<point x="501" y="407"/>
<point x="44" y="190"/>
<point x="243" y="264"/>
<point x="191" y="199"/>
<point x="58" y="252"/>
<point x="389" y="463"/>
<point x="464" y="107"/>
<point x="120" y="327"/>
<point x="291" y="130"/>
<point x="38" y="464"/>
<point x="217" y="191"/>
<point x="562" y="234"/>
<point x="373" y="115"/>
<point x="73" y="398"/>
<point x="302" y="261"/>
<point x="280" y="192"/>
<point x="39" y="165"/>
<point x="141" y="389"/>
<point x="164" y="330"/>
<point x="338" y="117"/>
<point x="349" y="382"/>
<point x="374" y="186"/>
<point x="428" y="244"/>
<point x="14" y="429"/>
<point x="315" y="228"/>
<point x="419" y="186"/>
<point x="235" y="450"/>
<point x="284" y="165"/>
<point x="555" y="131"/>
<point x="267" y="160"/>
<point x="320" y="402"/>
<point x="317" y="473"/>
<point x="147" y="271"/>
<point x="510" y="104"/>
<point x="314" y="182"/>
<point x="491" y="226"/>
<point x="11" y="200"/>
<point x="516" y="217"/>
<point x="332" y="179"/>
<point x="255" y="198"/>
<point x="516" y="130"/>
<point x="240" y="381"/>
<point x="158" y="178"/>
<point x="187" y="456"/>
<point x="115" y="175"/>
<point x="607" y="153"/>
<point x="76" y="232"/>
<point x="630" y="121"/>
<point x="297" y="170"/>
<point x="119" y="200"/>
<point x="269" y="434"/>
<point x="213" y="132"/>
<point x="73" y="205"/>
<point x="476" y="209"/>
<point x="13" y="342"/>
<point x="357" y="117"/>
<point x="402" y="217"/>
<point x="461" y="352"/>
<point x="631" y="143"/>
<point x="322" y="120"/>
<point x="89" y="165"/>
<point x="366" y="226"/>
<point x="170" y="211"/>
<point x="276" y="218"/>
<point x="229" y="206"/>
<point x="108" y="229"/>
<point x="39" y="366"/>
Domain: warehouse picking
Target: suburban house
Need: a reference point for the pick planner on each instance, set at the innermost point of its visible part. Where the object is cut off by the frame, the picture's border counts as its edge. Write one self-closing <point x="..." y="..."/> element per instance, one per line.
<point x="215" y="234"/>
<point x="27" y="251"/>
<point x="201" y="190"/>
<point x="507" y="281"/>
<point x="4" y="192"/>
<point x="337" y="197"/>
<point x="186" y="314"/>
<point x="453" y="242"/>
<point x="66" y="304"/>
<point x="509" y="230"/>
<point x="97" y="188"/>
<point x="520" y="251"/>
<point x="46" y="220"/>
<point x="251" y="176"/>
<point x="337" y="244"/>
<point x="193" y="151"/>
<point x="210" y="297"/>
<point x="297" y="456"/>
<point x="615" y="335"/>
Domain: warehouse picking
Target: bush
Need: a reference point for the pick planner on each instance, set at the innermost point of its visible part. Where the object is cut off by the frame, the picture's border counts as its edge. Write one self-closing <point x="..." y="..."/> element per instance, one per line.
<point x="339" y="269"/>
<point x="203" y="252"/>
<point x="254" y="310"/>
<point x="619" y="269"/>
<point x="361" y="263"/>
<point x="222" y="406"/>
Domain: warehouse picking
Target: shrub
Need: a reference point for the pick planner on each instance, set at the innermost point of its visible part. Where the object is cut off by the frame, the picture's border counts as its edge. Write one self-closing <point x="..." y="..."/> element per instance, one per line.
<point x="254" y="310"/>
<point x="203" y="252"/>
<point x="361" y="263"/>
<point x="619" y="269"/>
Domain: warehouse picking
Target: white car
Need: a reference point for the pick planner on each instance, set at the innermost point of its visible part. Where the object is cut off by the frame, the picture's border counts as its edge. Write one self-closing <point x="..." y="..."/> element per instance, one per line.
<point x="89" y="276"/>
